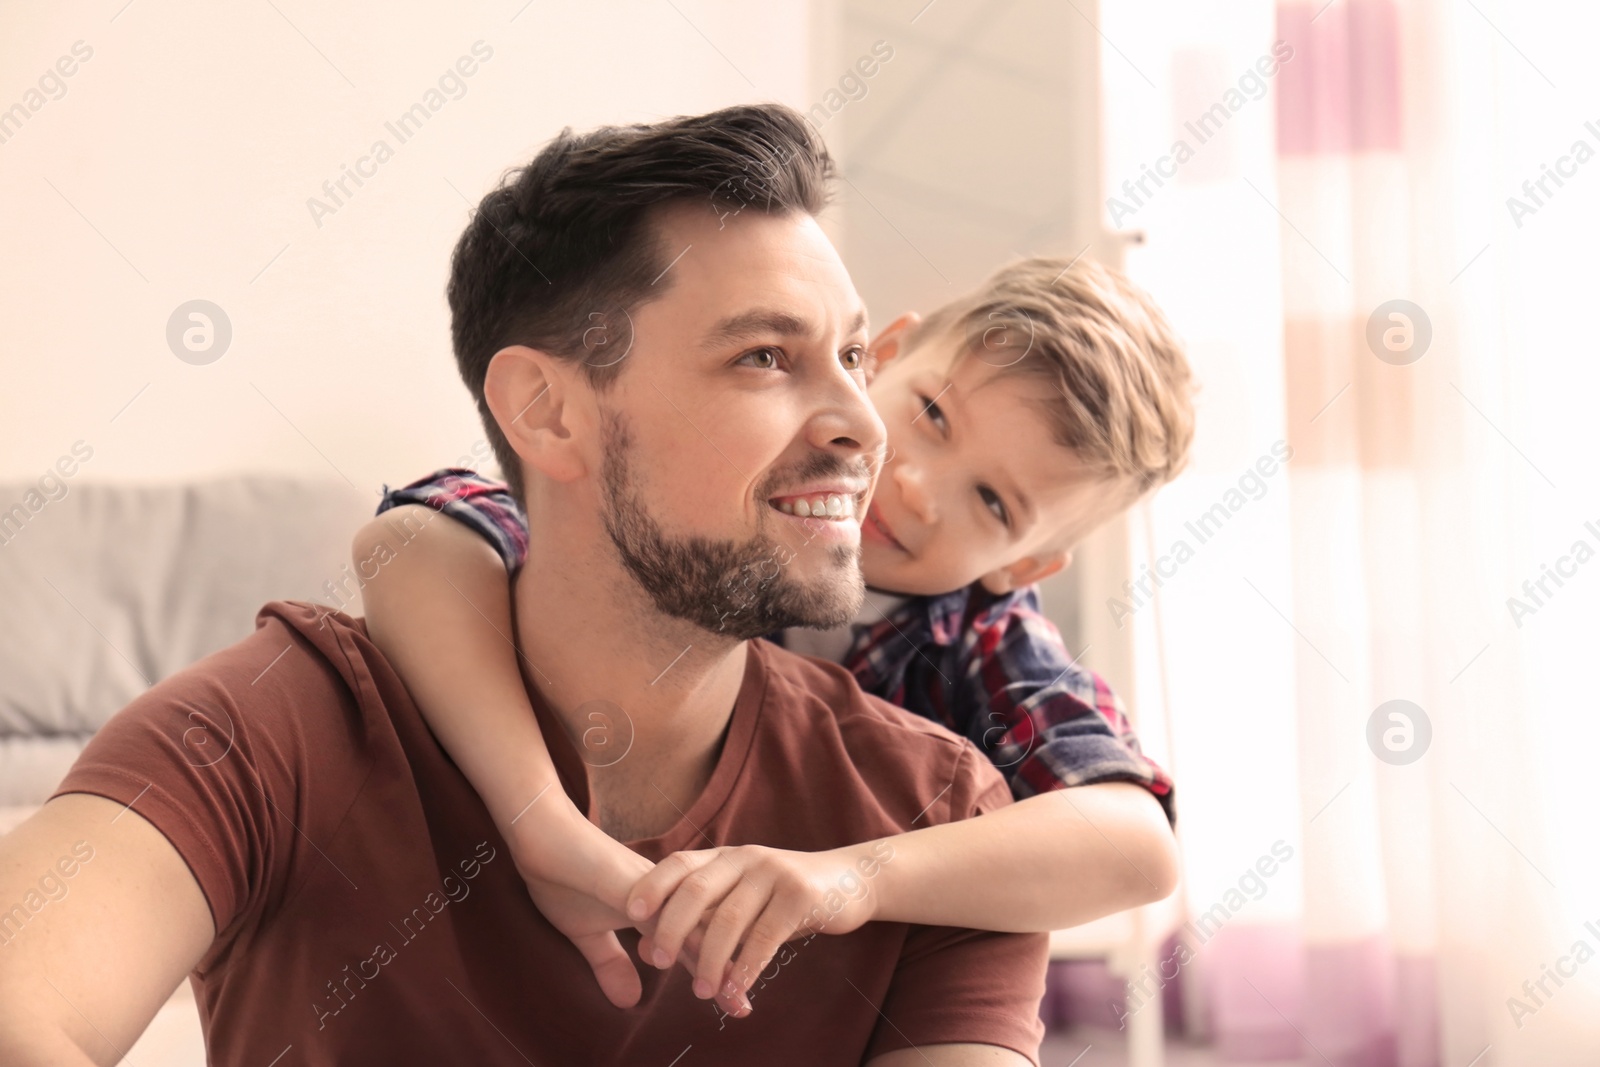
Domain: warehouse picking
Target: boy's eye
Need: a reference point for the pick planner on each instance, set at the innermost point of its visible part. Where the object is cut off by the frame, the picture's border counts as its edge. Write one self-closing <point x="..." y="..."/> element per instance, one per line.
<point x="992" y="501"/>
<point x="762" y="358"/>
<point x="934" y="412"/>
<point x="853" y="358"/>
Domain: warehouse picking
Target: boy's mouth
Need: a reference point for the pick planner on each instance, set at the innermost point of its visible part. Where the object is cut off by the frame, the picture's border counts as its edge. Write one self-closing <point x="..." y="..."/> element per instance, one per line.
<point x="874" y="528"/>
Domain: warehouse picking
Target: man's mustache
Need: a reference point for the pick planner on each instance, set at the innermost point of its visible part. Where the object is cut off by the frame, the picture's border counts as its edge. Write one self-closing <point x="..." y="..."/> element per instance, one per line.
<point x="818" y="466"/>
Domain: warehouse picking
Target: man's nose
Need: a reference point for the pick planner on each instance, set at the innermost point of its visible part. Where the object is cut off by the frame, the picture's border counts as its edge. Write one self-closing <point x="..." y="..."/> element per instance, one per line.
<point x="850" y="424"/>
<point x="914" y="492"/>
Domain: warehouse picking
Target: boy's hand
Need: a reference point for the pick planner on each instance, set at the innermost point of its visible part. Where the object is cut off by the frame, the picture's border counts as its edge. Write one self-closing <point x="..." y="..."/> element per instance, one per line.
<point x="579" y="879"/>
<point x="751" y="894"/>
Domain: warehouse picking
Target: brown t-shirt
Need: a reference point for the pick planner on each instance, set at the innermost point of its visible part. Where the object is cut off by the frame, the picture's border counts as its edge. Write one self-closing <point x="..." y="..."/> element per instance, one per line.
<point x="367" y="911"/>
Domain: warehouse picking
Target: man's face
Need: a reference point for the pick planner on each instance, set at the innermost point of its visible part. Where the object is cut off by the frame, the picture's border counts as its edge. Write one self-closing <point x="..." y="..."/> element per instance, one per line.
<point x="744" y="395"/>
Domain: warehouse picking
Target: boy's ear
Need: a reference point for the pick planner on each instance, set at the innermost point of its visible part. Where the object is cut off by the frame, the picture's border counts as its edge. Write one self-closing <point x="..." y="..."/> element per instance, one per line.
<point x="1026" y="571"/>
<point x="532" y="396"/>
<point x="890" y="341"/>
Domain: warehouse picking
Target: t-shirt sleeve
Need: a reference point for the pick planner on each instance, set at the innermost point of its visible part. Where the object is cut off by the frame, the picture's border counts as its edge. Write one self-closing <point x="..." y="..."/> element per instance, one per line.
<point x="237" y="760"/>
<point x="485" y="506"/>
<point x="955" y="985"/>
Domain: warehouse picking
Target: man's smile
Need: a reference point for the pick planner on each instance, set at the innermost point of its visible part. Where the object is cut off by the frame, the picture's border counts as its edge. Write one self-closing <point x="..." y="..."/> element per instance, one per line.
<point x="839" y="505"/>
<point x="831" y="511"/>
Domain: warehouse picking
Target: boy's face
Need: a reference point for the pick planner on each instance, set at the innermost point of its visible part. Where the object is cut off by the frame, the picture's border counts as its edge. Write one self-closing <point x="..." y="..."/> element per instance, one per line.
<point x="974" y="486"/>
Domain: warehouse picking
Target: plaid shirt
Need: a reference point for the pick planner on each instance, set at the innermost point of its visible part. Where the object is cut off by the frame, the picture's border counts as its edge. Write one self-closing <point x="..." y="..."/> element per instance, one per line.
<point x="467" y="496"/>
<point x="990" y="668"/>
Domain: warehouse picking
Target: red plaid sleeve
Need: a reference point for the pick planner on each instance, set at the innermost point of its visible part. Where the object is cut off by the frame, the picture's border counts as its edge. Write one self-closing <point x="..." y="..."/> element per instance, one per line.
<point x="1045" y="721"/>
<point x="483" y="504"/>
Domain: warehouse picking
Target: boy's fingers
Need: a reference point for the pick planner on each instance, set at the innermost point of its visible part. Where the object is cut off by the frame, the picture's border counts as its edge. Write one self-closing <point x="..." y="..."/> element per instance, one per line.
<point x="690" y="952"/>
<point x="736" y="1004"/>
<point x="661" y="881"/>
<point x="730" y="998"/>
<point x="688" y="955"/>
<point x="617" y="874"/>
<point x="768" y="934"/>
<point x="618" y="978"/>
<point x="738" y="910"/>
<point x="689" y="904"/>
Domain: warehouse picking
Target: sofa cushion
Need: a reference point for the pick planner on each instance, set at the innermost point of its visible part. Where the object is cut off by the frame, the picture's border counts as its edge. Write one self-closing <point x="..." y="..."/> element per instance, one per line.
<point x="108" y="588"/>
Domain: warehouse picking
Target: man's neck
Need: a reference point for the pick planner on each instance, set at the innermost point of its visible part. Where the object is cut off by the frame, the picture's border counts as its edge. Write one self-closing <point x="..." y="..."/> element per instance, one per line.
<point x="589" y="633"/>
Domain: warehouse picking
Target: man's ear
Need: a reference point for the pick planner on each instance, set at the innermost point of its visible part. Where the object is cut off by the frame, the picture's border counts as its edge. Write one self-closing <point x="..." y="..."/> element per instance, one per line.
<point x="1026" y="571"/>
<point x="890" y="341"/>
<point x="532" y="395"/>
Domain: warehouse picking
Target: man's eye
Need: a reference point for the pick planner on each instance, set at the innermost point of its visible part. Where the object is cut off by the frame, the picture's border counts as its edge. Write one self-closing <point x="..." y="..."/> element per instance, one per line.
<point x="933" y="411"/>
<point x="992" y="501"/>
<point x="853" y="358"/>
<point x="761" y="359"/>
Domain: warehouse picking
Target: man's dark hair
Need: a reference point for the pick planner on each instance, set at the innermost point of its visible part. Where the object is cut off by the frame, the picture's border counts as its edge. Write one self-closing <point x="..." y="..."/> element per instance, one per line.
<point x="563" y="250"/>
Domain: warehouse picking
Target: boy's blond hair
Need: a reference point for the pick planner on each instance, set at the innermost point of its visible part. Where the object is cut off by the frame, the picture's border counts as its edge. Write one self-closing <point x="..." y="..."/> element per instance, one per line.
<point x="1116" y="386"/>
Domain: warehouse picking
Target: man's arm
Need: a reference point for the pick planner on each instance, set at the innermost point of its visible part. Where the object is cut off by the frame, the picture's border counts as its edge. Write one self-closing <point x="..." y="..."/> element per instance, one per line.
<point x="87" y="958"/>
<point x="1067" y="857"/>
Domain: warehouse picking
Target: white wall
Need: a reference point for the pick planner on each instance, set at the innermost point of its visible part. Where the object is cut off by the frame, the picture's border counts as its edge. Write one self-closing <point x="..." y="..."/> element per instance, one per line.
<point x="178" y="162"/>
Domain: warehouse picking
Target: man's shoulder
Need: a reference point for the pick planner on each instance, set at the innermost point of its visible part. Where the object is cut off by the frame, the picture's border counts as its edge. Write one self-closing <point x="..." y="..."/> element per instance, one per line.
<point x="299" y="655"/>
<point x="279" y="723"/>
<point x="303" y="688"/>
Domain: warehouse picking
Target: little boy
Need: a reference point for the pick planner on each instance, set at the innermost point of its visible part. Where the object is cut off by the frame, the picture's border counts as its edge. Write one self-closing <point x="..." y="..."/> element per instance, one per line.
<point x="1019" y="418"/>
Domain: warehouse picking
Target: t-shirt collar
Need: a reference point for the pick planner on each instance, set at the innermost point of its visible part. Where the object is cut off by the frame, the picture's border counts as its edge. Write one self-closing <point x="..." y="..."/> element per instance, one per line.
<point x="686" y="832"/>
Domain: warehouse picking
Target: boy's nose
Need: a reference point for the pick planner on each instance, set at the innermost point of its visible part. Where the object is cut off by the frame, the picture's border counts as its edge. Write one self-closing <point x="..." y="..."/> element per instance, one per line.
<point x="914" y="493"/>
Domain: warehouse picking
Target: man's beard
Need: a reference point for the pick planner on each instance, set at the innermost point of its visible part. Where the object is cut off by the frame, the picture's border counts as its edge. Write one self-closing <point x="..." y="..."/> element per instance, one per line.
<point x="736" y="589"/>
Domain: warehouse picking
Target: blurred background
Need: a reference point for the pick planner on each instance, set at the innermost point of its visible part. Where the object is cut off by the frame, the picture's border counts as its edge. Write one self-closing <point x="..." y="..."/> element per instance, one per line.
<point x="1373" y="221"/>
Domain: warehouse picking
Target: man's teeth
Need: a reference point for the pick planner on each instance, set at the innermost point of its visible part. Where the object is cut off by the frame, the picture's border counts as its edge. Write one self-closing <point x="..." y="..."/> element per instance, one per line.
<point x="823" y="505"/>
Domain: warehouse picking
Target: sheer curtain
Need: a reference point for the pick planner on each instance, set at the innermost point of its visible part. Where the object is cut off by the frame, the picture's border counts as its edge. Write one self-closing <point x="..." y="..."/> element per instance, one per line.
<point x="1371" y="610"/>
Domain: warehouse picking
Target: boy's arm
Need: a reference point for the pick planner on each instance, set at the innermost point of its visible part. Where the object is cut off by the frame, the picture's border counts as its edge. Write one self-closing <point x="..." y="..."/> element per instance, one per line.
<point x="439" y="606"/>
<point x="1090" y="833"/>
<point x="1046" y="863"/>
<point x="1049" y="862"/>
<point x="1090" y="836"/>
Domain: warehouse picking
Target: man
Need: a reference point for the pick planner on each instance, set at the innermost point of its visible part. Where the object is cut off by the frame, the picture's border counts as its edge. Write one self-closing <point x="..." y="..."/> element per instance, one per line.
<point x="325" y="872"/>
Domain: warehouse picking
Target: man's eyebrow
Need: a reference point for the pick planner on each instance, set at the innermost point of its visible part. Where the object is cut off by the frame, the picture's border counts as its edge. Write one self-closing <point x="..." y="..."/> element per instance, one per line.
<point x="759" y="322"/>
<point x="766" y="322"/>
